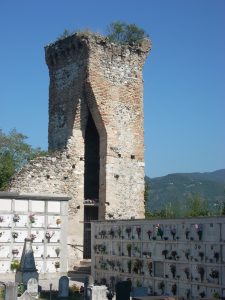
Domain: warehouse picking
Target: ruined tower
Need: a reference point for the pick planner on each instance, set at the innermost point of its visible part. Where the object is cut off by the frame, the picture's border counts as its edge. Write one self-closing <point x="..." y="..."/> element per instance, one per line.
<point x="96" y="135"/>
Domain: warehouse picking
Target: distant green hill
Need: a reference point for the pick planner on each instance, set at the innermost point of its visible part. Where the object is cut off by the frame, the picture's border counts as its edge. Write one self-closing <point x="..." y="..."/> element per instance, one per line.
<point x="177" y="188"/>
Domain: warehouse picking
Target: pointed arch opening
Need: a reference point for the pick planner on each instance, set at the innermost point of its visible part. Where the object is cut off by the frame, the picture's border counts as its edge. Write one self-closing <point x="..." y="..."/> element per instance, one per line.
<point x="95" y="142"/>
<point x="92" y="161"/>
<point x="91" y="180"/>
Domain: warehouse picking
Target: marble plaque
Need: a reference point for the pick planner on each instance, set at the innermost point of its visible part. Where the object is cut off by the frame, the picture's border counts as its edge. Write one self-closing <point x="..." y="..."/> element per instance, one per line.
<point x="4" y="251"/>
<point x="158" y="269"/>
<point x="212" y="253"/>
<point x="32" y="287"/>
<point x="17" y="251"/>
<point x="5" y="266"/>
<point x="223" y="232"/>
<point x="21" y="205"/>
<point x="168" y="269"/>
<point x="147" y="232"/>
<point x="52" y="251"/>
<point x="223" y="254"/>
<point x="6" y="221"/>
<point x="40" y="266"/>
<point x="183" y="290"/>
<point x="54" y="221"/>
<point x="213" y="232"/>
<point x="22" y="221"/>
<point x="39" y="221"/>
<point x="5" y="236"/>
<point x="183" y="251"/>
<point x="159" y="247"/>
<point x="38" y="250"/>
<point x="114" y="248"/>
<point x="22" y="234"/>
<point x="54" y="206"/>
<point x="50" y="266"/>
<point x="37" y="206"/>
<point x="6" y="204"/>
<point x="39" y="235"/>
<point x="55" y="237"/>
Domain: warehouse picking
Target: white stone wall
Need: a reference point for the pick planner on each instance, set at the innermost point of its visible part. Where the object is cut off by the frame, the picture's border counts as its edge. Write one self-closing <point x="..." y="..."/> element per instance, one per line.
<point x="24" y="216"/>
<point x="189" y="255"/>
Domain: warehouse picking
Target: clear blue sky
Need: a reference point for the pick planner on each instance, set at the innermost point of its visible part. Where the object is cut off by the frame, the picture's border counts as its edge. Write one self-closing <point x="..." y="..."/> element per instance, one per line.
<point x="184" y="77"/>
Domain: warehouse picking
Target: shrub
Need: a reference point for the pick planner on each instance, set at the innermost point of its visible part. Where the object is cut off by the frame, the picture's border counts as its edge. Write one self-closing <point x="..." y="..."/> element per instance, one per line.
<point x="122" y="33"/>
<point x="2" y="292"/>
<point x="65" y="34"/>
<point x="14" y="265"/>
<point x="74" y="289"/>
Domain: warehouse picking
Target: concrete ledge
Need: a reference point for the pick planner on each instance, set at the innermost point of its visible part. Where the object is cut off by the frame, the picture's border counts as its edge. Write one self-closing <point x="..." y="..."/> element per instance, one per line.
<point x="35" y="196"/>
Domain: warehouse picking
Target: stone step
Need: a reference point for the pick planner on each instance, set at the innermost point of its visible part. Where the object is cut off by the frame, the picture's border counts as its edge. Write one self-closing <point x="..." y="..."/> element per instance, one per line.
<point x="78" y="277"/>
<point x="85" y="262"/>
<point x="80" y="270"/>
<point x="75" y="276"/>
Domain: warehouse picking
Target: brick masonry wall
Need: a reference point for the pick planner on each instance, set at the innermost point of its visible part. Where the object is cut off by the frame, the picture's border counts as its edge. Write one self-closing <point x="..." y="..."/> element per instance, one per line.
<point x="88" y="73"/>
<point x="115" y="78"/>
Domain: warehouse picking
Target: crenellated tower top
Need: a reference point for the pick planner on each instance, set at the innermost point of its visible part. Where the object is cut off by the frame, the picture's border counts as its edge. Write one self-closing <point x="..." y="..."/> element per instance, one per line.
<point x="84" y="41"/>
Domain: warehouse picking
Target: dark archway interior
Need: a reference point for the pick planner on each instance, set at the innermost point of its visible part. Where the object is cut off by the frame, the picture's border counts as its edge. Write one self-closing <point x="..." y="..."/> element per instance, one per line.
<point x="91" y="181"/>
<point x="92" y="160"/>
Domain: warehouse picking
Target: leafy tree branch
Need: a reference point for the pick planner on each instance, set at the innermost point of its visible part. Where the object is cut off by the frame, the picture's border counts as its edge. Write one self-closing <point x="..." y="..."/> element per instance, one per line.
<point x="122" y="33"/>
<point x="14" y="154"/>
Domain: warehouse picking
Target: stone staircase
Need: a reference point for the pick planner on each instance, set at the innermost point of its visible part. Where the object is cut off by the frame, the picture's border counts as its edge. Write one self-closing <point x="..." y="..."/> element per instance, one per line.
<point x="81" y="271"/>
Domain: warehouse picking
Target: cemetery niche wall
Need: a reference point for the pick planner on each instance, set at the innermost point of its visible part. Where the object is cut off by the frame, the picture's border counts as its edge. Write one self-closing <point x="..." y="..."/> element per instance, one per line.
<point x="42" y="218"/>
<point x="182" y="257"/>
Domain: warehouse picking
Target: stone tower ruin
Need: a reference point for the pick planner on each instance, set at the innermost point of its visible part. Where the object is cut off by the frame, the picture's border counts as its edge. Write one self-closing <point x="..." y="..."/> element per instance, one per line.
<point x="96" y="140"/>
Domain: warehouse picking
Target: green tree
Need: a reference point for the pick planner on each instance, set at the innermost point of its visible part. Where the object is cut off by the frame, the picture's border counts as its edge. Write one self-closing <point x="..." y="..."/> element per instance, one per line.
<point x="222" y="212"/>
<point x="196" y="206"/>
<point x="122" y="33"/>
<point x="14" y="154"/>
<point x="65" y="34"/>
<point x="222" y="208"/>
<point x="146" y="196"/>
<point x="7" y="169"/>
<point x="172" y="210"/>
